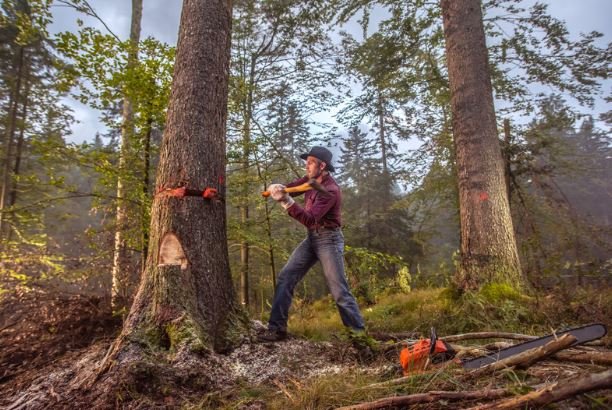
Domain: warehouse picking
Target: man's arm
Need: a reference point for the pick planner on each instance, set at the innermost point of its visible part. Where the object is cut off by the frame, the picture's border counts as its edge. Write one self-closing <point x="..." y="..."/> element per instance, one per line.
<point x="297" y="182"/>
<point x="320" y="208"/>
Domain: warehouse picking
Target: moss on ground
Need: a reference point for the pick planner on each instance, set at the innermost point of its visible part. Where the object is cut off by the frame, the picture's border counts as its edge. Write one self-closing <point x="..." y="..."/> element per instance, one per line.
<point x="496" y="307"/>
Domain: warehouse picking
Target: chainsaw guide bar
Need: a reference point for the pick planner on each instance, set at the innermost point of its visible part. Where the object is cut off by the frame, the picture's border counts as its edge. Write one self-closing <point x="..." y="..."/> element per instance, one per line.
<point x="582" y="334"/>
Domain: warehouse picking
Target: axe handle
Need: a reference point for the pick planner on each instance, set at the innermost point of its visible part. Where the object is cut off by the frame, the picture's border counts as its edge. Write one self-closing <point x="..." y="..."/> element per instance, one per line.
<point x="300" y="188"/>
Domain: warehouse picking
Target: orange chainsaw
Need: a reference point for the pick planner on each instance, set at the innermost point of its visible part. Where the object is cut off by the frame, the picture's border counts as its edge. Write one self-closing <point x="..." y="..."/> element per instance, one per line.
<point x="416" y="356"/>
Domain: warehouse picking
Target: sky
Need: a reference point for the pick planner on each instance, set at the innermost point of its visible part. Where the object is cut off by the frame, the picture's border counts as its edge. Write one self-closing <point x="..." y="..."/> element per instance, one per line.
<point x="161" y="20"/>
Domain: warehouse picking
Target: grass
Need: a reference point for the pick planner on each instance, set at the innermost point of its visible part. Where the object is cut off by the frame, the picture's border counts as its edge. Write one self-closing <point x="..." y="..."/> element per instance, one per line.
<point x="495" y="307"/>
<point x="399" y="312"/>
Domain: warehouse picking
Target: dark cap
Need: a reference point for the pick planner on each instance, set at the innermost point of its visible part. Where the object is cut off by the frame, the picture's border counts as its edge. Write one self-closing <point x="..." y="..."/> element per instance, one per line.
<point x="323" y="154"/>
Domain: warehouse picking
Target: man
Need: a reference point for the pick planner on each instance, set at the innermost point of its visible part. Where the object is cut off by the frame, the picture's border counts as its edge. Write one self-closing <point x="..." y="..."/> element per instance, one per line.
<point x="324" y="243"/>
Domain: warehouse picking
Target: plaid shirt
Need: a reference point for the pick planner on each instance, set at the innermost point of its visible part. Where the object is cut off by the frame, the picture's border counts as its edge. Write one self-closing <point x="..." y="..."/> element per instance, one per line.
<point x="320" y="210"/>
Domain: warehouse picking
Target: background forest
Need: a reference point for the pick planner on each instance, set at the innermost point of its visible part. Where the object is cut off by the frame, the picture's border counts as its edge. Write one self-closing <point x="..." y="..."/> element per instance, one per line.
<point x="77" y="214"/>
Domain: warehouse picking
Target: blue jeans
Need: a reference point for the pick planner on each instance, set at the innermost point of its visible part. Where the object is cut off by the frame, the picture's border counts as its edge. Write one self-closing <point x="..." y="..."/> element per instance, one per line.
<point x="327" y="246"/>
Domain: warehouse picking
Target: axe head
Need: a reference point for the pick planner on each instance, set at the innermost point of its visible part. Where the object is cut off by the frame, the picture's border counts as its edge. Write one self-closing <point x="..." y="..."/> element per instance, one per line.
<point x="315" y="185"/>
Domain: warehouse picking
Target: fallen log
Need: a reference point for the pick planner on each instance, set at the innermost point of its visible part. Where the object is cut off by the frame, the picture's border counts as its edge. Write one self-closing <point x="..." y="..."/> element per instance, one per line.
<point x="556" y="392"/>
<point x="528" y="357"/>
<point x="487" y="335"/>
<point x="595" y="357"/>
<point x="428" y="397"/>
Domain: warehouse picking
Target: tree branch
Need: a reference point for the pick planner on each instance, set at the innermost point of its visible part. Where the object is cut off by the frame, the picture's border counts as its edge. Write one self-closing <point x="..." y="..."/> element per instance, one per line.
<point x="558" y="391"/>
<point x="432" y="396"/>
<point x="487" y="335"/>
<point x="88" y="10"/>
<point x="597" y="357"/>
<point x="59" y="198"/>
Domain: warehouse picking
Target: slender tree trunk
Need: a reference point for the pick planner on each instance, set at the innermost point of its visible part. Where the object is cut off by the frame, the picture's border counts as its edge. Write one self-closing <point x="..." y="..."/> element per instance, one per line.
<point x="270" y="247"/>
<point x="10" y="137"/>
<point x="488" y="246"/>
<point x="187" y="285"/>
<point x="121" y="275"/>
<point x="268" y="232"/>
<point x="146" y="190"/>
<point x="244" y="259"/>
<point x="381" y="134"/>
<point x="386" y="178"/>
<point x="244" y="211"/>
<point x="20" y="140"/>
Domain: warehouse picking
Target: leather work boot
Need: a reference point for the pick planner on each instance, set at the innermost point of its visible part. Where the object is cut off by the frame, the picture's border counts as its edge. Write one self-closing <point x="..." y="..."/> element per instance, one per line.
<point x="270" y="336"/>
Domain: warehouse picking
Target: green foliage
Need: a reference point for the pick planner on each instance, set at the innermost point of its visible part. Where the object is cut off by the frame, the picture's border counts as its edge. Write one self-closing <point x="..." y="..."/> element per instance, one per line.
<point x="99" y="71"/>
<point x="403" y="280"/>
<point x="365" y="269"/>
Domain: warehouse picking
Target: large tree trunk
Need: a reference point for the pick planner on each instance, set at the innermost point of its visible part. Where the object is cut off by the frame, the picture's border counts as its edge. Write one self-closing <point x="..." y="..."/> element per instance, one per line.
<point x="186" y="289"/>
<point x="122" y="283"/>
<point x="488" y="247"/>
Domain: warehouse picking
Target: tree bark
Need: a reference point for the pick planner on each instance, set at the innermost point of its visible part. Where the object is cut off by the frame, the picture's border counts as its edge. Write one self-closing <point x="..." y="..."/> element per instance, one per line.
<point x="121" y="293"/>
<point x="186" y="287"/>
<point x="507" y="158"/>
<point x="488" y="247"/>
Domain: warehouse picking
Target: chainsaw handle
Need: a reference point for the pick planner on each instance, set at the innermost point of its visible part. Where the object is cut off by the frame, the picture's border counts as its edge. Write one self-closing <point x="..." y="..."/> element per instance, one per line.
<point x="433" y="338"/>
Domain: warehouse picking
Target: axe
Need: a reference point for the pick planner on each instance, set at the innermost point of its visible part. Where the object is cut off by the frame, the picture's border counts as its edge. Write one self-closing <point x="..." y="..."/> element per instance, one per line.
<point x="306" y="186"/>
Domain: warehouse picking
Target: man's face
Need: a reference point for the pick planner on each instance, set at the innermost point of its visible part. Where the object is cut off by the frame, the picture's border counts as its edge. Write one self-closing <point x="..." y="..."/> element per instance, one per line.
<point x="314" y="166"/>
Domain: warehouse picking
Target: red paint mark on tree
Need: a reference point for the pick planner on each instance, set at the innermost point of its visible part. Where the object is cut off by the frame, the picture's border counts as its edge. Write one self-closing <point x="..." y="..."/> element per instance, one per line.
<point x="483" y="196"/>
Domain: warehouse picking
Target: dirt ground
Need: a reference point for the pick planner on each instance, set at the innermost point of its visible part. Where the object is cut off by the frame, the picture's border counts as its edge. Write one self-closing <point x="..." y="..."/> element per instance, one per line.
<point x="49" y="339"/>
<point x="37" y="327"/>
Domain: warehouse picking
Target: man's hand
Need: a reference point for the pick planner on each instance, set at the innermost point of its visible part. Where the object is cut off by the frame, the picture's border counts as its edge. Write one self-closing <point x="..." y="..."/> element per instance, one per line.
<point x="277" y="192"/>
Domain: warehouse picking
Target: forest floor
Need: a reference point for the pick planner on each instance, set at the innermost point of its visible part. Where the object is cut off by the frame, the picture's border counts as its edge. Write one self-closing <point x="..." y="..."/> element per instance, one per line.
<point x="47" y="339"/>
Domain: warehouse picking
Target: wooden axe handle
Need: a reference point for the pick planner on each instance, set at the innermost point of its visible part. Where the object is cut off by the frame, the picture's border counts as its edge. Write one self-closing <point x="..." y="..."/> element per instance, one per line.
<point x="312" y="184"/>
<point x="300" y="188"/>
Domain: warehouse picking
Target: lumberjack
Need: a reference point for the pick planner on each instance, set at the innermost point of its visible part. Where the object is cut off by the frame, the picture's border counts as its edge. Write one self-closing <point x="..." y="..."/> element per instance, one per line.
<point x="324" y="242"/>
